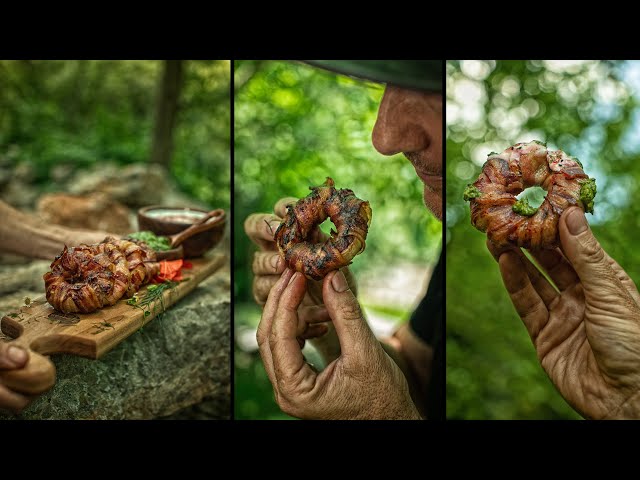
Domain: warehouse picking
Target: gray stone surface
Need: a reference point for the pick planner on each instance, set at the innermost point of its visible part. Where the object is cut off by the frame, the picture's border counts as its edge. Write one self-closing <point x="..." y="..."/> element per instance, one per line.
<point x="178" y="360"/>
<point x="25" y="278"/>
<point x="16" y="182"/>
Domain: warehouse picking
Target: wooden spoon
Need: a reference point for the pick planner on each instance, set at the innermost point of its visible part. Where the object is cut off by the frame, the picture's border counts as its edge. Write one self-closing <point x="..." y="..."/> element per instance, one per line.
<point x="200" y="226"/>
<point x="176" y="252"/>
<point x="173" y="254"/>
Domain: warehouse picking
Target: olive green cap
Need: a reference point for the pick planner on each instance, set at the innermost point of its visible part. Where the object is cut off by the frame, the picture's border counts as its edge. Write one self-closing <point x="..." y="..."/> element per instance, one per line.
<point x="416" y="74"/>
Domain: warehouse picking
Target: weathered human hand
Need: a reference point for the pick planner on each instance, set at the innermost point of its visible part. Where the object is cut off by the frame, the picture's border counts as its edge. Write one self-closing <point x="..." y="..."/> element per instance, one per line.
<point x="362" y="383"/>
<point x="12" y="357"/>
<point x="27" y="235"/>
<point x="587" y="332"/>
<point x="268" y="267"/>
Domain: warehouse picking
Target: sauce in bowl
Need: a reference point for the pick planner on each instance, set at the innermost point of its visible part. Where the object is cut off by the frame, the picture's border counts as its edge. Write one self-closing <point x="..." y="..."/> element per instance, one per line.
<point x="183" y="216"/>
<point x="167" y="221"/>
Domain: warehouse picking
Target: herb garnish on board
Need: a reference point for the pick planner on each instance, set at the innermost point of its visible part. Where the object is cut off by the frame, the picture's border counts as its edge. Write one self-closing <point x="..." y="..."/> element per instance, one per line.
<point x="153" y="294"/>
<point x="159" y="244"/>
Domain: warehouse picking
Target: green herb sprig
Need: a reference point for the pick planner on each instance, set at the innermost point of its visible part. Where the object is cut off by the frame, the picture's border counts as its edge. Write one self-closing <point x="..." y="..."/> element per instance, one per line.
<point x="153" y="294"/>
<point x="159" y="244"/>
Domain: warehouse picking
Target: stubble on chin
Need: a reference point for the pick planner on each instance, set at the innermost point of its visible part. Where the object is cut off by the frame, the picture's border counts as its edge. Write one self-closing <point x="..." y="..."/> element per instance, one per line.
<point x="433" y="201"/>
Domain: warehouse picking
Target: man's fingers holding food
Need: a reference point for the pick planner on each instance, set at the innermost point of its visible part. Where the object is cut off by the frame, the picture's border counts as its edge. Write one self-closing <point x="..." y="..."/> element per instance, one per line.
<point x="262" y="285"/>
<point x="260" y="228"/>
<point x="291" y="371"/>
<point x="352" y="329"/>
<point x="264" y="328"/>
<point x="280" y="208"/>
<point x="267" y="263"/>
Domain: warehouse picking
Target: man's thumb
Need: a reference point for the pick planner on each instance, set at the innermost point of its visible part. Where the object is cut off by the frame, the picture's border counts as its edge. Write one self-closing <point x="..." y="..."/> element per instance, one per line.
<point x="585" y="253"/>
<point x="12" y="356"/>
<point x="343" y="307"/>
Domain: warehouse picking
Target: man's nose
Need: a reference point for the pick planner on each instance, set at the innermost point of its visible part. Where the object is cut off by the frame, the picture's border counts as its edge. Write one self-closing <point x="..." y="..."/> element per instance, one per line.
<point x="398" y="127"/>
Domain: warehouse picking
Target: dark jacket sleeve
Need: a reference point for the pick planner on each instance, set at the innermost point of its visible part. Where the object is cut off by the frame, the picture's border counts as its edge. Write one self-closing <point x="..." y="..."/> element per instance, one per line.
<point x="427" y="321"/>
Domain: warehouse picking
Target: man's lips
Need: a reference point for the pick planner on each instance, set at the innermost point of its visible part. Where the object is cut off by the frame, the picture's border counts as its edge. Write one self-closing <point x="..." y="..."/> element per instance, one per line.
<point x="431" y="181"/>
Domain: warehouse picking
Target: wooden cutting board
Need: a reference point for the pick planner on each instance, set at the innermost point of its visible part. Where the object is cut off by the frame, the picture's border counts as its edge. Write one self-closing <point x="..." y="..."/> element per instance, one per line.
<point x="44" y="331"/>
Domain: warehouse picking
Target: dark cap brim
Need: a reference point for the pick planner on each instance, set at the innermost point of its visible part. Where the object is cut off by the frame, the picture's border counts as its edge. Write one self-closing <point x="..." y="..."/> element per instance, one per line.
<point x="415" y="74"/>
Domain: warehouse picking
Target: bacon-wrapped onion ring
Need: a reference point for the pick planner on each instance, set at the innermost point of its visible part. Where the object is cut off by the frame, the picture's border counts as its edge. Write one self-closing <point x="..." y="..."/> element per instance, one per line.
<point x="350" y="215"/>
<point x="86" y="278"/>
<point x="89" y="277"/>
<point x="495" y="209"/>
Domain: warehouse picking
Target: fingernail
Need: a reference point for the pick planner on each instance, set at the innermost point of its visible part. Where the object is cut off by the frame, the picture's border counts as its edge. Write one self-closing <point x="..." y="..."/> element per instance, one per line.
<point x="576" y="222"/>
<point x="339" y="283"/>
<point x="275" y="259"/>
<point x="17" y="354"/>
<point x="293" y="278"/>
<point x="273" y="225"/>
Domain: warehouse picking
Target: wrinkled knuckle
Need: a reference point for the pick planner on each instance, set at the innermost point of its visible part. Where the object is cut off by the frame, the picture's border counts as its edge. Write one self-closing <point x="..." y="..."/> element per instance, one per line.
<point x="351" y="311"/>
<point x="287" y="406"/>
<point x="274" y="338"/>
<point x="592" y="251"/>
<point x="257" y="296"/>
<point x="255" y="264"/>
<point x="261" y="288"/>
<point x="289" y="400"/>
<point x="249" y="224"/>
<point x="260" y="337"/>
<point x="356" y="372"/>
<point x="287" y="389"/>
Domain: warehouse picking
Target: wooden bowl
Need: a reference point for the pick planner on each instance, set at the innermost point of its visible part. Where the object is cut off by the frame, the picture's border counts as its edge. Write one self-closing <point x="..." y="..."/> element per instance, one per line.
<point x="169" y="221"/>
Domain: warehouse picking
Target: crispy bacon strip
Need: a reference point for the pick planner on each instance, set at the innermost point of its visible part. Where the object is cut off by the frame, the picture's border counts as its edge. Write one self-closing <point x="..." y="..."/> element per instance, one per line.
<point x="86" y="278"/>
<point x="141" y="261"/>
<point x="494" y="207"/>
<point x="296" y="233"/>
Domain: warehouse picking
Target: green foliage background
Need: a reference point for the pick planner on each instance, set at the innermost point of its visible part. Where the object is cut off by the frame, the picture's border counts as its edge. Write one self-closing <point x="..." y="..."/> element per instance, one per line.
<point x="588" y="109"/>
<point x="294" y="126"/>
<point x="86" y="111"/>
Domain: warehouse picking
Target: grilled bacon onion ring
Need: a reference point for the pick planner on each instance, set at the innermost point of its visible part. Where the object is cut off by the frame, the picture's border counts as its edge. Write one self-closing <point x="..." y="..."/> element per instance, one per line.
<point x="89" y="277"/>
<point x="495" y="209"/>
<point x="349" y="214"/>
<point x="86" y="278"/>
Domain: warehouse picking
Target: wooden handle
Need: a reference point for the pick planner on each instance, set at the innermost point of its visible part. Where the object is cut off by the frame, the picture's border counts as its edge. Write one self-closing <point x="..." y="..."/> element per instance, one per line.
<point x="173" y="254"/>
<point x="202" y="225"/>
<point x="36" y="377"/>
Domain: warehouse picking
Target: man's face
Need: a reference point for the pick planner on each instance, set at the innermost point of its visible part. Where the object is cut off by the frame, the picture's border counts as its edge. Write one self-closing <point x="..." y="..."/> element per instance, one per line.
<point x="410" y="122"/>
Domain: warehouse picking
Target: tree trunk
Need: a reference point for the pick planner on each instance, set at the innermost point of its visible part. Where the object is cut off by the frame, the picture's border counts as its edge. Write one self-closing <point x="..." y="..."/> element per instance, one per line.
<point x="166" y="110"/>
